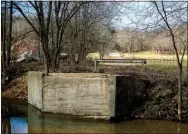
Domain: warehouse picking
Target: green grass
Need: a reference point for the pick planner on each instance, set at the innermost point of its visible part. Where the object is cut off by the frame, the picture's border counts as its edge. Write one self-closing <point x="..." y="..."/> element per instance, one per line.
<point x="140" y="55"/>
<point x="164" y="62"/>
<point x="150" y="55"/>
<point x="153" y="58"/>
<point x="93" y="56"/>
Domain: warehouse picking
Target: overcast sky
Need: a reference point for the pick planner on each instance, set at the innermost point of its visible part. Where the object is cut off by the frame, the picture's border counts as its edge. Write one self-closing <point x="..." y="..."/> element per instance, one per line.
<point x="137" y="15"/>
<point x="142" y="14"/>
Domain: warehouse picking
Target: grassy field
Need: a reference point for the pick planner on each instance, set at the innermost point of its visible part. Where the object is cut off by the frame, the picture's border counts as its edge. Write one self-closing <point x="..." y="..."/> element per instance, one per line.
<point x="152" y="58"/>
<point x="156" y="58"/>
<point x="150" y="55"/>
<point x="140" y="55"/>
<point x="93" y="55"/>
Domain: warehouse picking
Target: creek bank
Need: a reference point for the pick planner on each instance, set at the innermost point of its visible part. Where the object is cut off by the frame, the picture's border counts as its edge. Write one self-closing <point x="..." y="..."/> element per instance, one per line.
<point x="155" y="98"/>
<point x="158" y="100"/>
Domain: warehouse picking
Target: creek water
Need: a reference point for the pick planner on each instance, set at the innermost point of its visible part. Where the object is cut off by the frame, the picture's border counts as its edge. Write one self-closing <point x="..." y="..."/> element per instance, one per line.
<point x="24" y="118"/>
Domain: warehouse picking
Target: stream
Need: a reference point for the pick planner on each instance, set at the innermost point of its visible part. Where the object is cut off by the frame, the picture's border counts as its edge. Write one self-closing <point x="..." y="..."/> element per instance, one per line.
<point x="24" y="118"/>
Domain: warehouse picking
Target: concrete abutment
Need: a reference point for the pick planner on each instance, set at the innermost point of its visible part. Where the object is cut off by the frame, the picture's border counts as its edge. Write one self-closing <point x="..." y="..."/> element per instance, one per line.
<point x="91" y="95"/>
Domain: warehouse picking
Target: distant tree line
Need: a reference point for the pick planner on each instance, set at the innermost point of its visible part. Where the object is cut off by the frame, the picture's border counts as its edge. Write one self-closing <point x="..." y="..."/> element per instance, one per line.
<point x="129" y="40"/>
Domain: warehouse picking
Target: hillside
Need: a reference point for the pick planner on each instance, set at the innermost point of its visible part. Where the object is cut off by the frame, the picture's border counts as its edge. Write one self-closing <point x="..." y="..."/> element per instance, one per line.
<point x="133" y="41"/>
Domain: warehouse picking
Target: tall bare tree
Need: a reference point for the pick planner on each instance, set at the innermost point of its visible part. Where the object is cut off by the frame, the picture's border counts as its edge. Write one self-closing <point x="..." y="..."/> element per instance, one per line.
<point x="7" y="15"/>
<point x="165" y="16"/>
<point x="63" y="13"/>
<point x="90" y="25"/>
<point x="47" y="13"/>
<point x="163" y="11"/>
<point x="42" y="29"/>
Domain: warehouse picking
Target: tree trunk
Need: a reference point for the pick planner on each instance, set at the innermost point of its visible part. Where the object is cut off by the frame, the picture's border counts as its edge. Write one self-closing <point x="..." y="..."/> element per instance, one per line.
<point x="53" y="64"/>
<point x="180" y="95"/>
<point x="72" y="53"/>
<point x="55" y="57"/>
<point x="10" y="35"/>
<point x="72" y="60"/>
<point x="187" y="74"/>
<point x="47" y="59"/>
<point x="39" y="53"/>
<point x="3" y="42"/>
<point x="46" y="64"/>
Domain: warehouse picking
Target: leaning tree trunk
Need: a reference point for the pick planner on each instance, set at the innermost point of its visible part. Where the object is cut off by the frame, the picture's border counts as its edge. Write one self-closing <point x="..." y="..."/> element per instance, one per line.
<point x="46" y="64"/>
<point x="47" y="59"/>
<point x="72" y="54"/>
<point x="10" y="35"/>
<point x="180" y="94"/>
<point x="3" y="41"/>
<point x="55" y="57"/>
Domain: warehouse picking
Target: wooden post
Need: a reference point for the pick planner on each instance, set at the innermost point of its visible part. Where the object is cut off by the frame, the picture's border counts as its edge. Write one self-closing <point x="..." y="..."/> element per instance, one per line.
<point x="95" y="68"/>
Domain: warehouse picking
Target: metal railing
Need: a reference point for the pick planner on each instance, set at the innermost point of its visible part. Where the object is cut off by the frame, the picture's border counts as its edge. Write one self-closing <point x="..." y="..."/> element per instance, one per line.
<point x="163" y="62"/>
<point x="142" y="61"/>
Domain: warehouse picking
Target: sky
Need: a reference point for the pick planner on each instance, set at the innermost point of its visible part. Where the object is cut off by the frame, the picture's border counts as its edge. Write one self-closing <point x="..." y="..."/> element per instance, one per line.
<point x="135" y="15"/>
<point x="130" y="14"/>
<point x="125" y="19"/>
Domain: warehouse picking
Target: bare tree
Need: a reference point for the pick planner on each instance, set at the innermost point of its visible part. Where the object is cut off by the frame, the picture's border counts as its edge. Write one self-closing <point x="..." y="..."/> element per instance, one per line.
<point x="3" y="37"/>
<point x="90" y="27"/>
<point x="161" y="17"/>
<point x="6" y="35"/>
<point x="43" y="20"/>
<point x="64" y="12"/>
<point x="47" y="13"/>
<point x="163" y="11"/>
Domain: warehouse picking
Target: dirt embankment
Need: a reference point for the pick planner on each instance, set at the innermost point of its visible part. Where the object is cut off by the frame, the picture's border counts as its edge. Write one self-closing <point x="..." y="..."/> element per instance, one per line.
<point x="158" y="99"/>
<point x="15" y="88"/>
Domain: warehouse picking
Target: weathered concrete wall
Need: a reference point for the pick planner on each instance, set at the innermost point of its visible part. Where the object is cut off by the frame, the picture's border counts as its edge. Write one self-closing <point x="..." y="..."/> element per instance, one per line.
<point x="35" y="85"/>
<point x="88" y="94"/>
<point x="112" y="95"/>
<point x="40" y="122"/>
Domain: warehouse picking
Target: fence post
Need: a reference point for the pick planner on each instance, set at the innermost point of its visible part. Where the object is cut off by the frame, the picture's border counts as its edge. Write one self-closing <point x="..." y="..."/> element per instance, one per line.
<point x="95" y="68"/>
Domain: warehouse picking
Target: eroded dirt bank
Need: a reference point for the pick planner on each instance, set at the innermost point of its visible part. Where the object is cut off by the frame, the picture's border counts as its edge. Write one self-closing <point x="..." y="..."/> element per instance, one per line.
<point x="158" y="100"/>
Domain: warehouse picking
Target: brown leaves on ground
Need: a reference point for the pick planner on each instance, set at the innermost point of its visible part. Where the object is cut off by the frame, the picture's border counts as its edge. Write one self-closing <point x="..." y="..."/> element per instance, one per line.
<point x="16" y="89"/>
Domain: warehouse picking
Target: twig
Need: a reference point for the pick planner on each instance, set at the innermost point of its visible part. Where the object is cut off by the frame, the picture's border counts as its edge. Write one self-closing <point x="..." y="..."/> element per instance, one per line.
<point x="18" y="93"/>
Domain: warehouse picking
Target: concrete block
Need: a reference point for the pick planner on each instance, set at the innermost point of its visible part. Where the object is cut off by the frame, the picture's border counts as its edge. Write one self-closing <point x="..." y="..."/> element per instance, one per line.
<point x="35" y="85"/>
<point x="88" y="94"/>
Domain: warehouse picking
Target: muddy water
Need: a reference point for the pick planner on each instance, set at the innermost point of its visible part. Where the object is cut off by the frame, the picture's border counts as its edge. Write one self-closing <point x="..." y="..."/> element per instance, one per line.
<point x="23" y="118"/>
